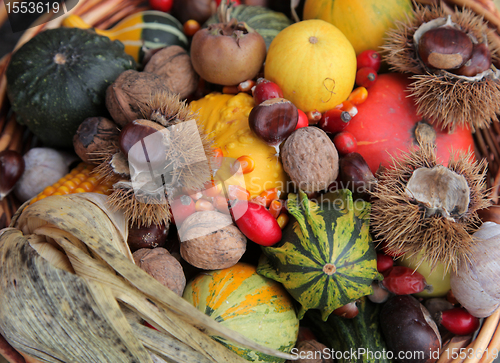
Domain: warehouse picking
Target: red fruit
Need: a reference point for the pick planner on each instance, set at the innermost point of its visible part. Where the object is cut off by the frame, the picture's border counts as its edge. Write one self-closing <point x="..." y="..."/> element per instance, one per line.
<point x="385" y="123"/>
<point x="366" y="77"/>
<point x="182" y="208"/>
<point x="348" y="311"/>
<point x="458" y="321"/>
<point x="190" y="27"/>
<point x="335" y="120"/>
<point x="345" y="143"/>
<point x="369" y="58"/>
<point x="384" y="262"/>
<point x="161" y="5"/>
<point x="256" y="223"/>
<point x="265" y="90"/>
<point x="402" y="280"/>
<point x="303" y="120"/>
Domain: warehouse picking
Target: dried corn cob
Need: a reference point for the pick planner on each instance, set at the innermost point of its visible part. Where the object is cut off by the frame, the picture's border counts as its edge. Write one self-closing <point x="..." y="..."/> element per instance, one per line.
<point x="79" y="180"/>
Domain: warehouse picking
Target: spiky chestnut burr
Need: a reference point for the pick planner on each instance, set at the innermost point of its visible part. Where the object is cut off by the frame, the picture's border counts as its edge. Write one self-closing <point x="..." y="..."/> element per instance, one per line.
<point x="182" y="142"/>
<point x="421" y="206"/>
<point x="448" y="98"/>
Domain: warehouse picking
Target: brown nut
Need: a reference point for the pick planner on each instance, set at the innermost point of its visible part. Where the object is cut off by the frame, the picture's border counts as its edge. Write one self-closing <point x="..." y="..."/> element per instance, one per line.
<point x="161" y="265"/>
<point x="130" y="92"/>
<point x="310" y="159"/>
<point x="273" y="120"/>
<point x="218" y="243"/>
<point x="147" y="236"/>
<point x="136" y="132"/>
<point x="444" y="48"/>
<point x="479" y="62"/>
<point x="173" y="63"/>
<point x="94" y="135"/>
<point x="314" y="349"/>
<point x="11" y="170"/>
<point x="355" y="174"/>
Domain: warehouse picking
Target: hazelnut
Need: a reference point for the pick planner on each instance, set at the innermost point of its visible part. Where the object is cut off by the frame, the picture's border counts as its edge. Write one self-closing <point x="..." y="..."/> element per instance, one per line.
<point x="11" y="170"/>
<point x="211" y="241"/>
<point x="310" y="159"/>
<point x="147" y="236"/>
<point x="94" y="135"/>
<point x="273" y="120"/>
<point x="479" y="62"/>
<point x="161" y="265"/>
<point x="174" y="65"/>
<point x="444" y="48"/>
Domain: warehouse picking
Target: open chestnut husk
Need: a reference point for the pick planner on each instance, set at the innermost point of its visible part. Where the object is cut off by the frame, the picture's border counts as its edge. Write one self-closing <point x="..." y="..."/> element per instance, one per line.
<point x="273" y="120"/>
<point x="94" y="135"/>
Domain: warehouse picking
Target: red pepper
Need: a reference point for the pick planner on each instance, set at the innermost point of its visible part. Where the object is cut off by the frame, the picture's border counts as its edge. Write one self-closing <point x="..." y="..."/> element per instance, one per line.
<point x="256" y="223"/>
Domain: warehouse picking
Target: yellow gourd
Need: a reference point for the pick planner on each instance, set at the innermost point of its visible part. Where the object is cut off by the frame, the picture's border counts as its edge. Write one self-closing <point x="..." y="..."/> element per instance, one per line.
<point x="313" y="63"/>
<point x="363" y="22"/>
<point x="225" y="117"/>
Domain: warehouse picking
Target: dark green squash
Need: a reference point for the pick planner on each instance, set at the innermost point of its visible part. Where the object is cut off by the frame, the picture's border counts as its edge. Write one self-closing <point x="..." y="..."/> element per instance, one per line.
<point x="266" y="22"/>
<point x="361" y="337"/>
<point x="326" y="257"/>
<point x="59" y="78"/>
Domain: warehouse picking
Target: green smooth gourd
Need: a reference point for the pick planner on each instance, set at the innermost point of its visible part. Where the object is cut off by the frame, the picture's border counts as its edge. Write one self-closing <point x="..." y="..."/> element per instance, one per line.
<point x="326" y="257"/>
<point x="59" y="78"/>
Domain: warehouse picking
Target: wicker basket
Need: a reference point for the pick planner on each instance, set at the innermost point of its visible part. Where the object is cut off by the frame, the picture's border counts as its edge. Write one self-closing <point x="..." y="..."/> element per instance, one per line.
<point x="104" y="13"/>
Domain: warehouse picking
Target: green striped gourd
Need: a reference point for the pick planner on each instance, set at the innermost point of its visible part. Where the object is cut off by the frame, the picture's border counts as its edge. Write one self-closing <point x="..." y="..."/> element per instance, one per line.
<point x="266" y="22"/>
<point x="250" y="304"/>
<point x="326" y="257"/>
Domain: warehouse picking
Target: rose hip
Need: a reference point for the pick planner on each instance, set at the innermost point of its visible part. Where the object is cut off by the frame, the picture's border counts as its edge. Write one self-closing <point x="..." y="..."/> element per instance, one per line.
<point x="402" y="280"/>
<point x="335" y="120"/>
<point x="458" y="321"/>
<point x="369" y="58"/>
<point x="345" y="143"/>
<point x="182" y="208"/>
<point x="265" y="90"/>
<point x="366" y="77"/>
<point x="303" y="120"/>
<point x="384" y="262"/>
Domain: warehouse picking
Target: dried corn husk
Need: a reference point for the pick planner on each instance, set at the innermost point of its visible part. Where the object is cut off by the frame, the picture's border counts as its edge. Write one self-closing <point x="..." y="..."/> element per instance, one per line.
<point x="95" y="313"/>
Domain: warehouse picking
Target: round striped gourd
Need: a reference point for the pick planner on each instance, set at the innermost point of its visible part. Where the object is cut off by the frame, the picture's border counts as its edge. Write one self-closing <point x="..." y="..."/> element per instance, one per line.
<point x="150" y="29"/>
<point x="266" y="22"/>
<point x="326" y="257"/>
<point x="246" y="302"/>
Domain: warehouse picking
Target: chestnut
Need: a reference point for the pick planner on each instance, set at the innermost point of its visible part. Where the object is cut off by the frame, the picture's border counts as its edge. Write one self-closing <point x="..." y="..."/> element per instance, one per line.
<point x="355" y="174"/>
<point x="479" y="62"/>
<point x="11" y="170"/>
<point x="444" y="48"/>
<point x="135" y="133"/>
<point x="273" y="120"/>
<point x="147" y="236"/>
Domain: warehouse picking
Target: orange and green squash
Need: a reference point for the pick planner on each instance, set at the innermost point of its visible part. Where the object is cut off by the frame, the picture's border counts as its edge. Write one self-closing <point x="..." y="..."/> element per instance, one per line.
<point x="225" y="118"/>
<point x="248" y="303"/>
<point x="326" y="257"/>
<point x="313" y="63"/>
<point x="363" y="22"/>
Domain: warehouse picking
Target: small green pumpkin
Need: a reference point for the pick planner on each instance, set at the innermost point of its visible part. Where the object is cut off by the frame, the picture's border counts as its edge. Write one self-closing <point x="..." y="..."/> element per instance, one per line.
<point x="326" y="257"/>
<point x="59" y="78"/>
<point x="266" y="22"/>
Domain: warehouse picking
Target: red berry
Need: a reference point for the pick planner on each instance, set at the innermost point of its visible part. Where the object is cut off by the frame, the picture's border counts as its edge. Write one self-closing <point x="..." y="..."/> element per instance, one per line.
<point x="161" y="5"/>
<point x="182" y="208"/>
<point x="369" y="58"/>
<point x="402" y="280"/>
<point x="303" y="121"/>
<point x="366" y="77"/>
<point x="384" y="262"/>
<point x="335" y="120"/>
<point x="345" y="143"/>
<point x="265" y="90"/>
<point x="458" y="321"/>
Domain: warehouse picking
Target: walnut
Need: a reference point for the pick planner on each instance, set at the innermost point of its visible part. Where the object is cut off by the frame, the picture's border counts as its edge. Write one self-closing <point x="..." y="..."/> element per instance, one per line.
<point x="130" y="93"/>
<point x="313" y="351"/>
<point x="310" y="159"/>
<point x="95" y="135"/>
<point x="210" y="241"/>
<point x="161" y="265"/>
<point x="173" y="63"/>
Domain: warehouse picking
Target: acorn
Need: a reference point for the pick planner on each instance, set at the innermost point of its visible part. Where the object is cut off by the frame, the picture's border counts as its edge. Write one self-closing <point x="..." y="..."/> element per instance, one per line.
<point x="451" y="56"/>
<point x="420" y="206"/>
